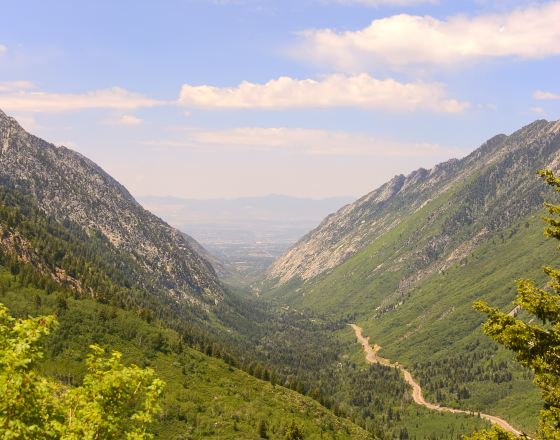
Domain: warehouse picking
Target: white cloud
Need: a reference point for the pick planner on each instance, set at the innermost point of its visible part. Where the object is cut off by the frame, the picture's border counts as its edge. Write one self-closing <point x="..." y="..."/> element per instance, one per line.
<point x="3" y="49"/>
<point x="130" y="120"/>
<point x="113" y="98"/>
<point x="407" y="40"/>
<point x="537" y="110"/>
<point x="545" y="96"/>
<point x="302" y="141"/>
<point x="360" y="91"/>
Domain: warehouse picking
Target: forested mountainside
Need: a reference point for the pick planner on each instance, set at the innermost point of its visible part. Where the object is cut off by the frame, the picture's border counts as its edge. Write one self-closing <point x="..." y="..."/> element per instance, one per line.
<point x="102" y="293"/>
<point x="410" y="258"/>
<point x="71" y="188"/>
<point x="204" y="397"/>
<point x="501" y="187"/>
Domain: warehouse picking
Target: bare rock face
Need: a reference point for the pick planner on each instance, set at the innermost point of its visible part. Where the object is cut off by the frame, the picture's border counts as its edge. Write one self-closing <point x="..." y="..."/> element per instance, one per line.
<point x="71" y="187"/>
<point x="499" y="171"/>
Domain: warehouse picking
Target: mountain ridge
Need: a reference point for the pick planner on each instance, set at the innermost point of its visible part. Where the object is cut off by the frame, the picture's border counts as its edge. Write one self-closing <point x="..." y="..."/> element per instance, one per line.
<point x="344" y="233"/>
<point x="69" y="186"/>
<point x="427" y="250"/>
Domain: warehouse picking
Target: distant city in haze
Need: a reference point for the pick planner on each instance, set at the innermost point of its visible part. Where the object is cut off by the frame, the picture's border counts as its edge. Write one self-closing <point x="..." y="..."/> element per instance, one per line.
<point x="249" y="232"/>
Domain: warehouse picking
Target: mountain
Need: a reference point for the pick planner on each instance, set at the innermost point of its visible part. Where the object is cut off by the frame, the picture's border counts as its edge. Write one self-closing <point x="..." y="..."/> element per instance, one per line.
<point x="73" y="189"/>
<point x="408" y="260"/>
<point x="500" y="187"/>
<point x="66" y="229"/>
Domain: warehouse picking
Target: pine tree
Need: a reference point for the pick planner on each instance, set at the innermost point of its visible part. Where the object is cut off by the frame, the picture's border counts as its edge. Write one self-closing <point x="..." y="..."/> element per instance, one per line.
<point x="536" y="343"/>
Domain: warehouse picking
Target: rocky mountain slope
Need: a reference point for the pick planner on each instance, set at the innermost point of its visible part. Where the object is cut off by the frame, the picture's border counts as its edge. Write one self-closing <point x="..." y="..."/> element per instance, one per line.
<point x="408" y="260"/>
<point x="71" y="188"/>
<point x="500" y="171"/>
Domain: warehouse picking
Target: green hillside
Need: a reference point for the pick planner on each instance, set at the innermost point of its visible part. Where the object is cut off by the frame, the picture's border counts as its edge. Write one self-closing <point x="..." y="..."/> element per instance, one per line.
<point x="93" y="288"/>
<point x="413" y="285"/>
<point x="204" y="398"/>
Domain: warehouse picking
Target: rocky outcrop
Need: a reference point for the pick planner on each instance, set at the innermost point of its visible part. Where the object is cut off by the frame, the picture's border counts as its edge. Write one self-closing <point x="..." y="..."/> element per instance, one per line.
<point x="70" y="187"/>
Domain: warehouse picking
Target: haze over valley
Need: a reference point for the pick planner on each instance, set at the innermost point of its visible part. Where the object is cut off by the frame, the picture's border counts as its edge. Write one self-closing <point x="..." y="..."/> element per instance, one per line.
<point x="247" y="234"/>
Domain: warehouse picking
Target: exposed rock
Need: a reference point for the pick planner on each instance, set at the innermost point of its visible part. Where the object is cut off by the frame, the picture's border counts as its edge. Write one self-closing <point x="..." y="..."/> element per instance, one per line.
<point x="502" y="188"/>
<point x="69" y="186"/>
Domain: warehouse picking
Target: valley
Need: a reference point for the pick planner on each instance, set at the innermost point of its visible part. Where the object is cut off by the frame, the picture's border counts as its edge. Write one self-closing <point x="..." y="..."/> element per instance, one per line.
<point x="280" y="220"/>
<point x="247" y="234"/>
<point x="249" y="327"/>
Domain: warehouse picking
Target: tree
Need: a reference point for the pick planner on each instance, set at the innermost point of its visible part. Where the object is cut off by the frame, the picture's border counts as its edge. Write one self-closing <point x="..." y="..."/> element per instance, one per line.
<point x="294" y="432"/>
<point x="262" y="429"/>
<point x="27" y="407"/>
<point x="114" y="401"/>
<point x="536" y="343"/>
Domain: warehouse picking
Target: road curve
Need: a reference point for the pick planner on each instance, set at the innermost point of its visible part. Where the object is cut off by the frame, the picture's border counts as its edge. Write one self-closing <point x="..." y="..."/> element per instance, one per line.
<point x="373" y="358"/>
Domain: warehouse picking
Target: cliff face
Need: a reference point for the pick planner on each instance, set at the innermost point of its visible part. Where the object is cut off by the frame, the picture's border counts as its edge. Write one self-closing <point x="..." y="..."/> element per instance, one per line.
<point x="502" y="186"/>
<point x="70" y="187"/>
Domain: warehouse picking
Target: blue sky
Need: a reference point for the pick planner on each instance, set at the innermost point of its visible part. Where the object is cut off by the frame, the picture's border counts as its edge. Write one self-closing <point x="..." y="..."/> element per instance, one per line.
<point x="200" y="98"/>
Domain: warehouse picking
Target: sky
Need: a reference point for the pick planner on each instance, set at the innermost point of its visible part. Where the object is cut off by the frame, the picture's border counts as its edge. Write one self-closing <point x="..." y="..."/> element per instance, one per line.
<point x="310" y="98"/>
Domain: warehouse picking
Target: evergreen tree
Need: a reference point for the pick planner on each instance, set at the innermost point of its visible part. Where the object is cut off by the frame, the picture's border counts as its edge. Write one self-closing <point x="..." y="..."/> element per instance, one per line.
<point x="294" y="432"/>
<point x="536" y="343"/>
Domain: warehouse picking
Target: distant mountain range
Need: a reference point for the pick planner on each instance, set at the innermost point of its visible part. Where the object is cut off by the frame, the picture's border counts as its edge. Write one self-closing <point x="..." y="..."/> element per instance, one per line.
<point x="273" y="209"/>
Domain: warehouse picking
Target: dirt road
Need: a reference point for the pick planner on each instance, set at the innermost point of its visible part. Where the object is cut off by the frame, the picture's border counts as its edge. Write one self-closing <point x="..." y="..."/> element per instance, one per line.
<point x="373" y="358"/>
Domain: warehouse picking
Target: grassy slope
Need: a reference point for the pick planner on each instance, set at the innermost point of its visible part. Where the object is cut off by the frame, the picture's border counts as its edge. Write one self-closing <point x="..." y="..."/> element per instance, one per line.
<point x="438" y="321"/>
<point x="205" y="397"/>
<point x="434" y="321"/>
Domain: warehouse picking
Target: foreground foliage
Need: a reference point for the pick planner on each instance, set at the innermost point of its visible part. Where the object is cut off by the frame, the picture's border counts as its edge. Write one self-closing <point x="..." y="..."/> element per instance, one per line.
<point x="115" y="401"/>
<point x="535" y="342"/>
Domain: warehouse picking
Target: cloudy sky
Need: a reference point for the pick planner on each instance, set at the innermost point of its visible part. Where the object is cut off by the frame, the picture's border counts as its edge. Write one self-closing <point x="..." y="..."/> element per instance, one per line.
<point x="315" y="98"/>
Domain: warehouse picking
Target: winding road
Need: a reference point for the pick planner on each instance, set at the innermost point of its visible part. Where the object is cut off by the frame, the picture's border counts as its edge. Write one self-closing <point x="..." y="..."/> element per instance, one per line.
<point x="373" y="358"/>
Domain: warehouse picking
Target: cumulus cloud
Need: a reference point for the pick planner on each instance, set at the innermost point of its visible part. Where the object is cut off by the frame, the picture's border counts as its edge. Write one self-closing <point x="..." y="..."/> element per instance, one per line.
<point x="408" y="40"/>
<point x="21" y="99"/>
<point x="545" y="96"/>
<point x="362" y="91"/>
<point x="302" y="141"/>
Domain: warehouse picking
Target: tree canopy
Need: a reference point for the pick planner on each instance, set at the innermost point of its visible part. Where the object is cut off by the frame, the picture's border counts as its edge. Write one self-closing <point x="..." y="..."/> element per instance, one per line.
<point x="114" y="401"/>
<point x="535" y="340"/>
